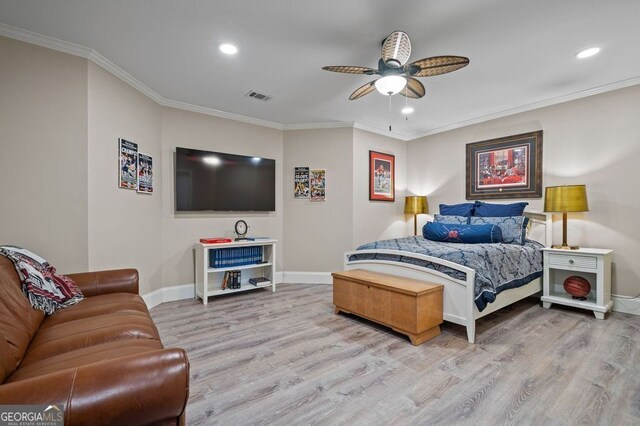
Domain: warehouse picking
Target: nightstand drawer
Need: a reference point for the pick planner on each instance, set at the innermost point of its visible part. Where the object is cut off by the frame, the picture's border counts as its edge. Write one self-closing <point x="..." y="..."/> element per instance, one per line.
<point x="573" y="261"/>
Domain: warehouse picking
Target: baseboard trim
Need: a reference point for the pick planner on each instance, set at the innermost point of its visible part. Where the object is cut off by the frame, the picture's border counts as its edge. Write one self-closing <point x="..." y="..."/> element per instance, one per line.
<point x="169" y="294"/>
<point x="306" y="277"/>
<point x="625" y="305"/>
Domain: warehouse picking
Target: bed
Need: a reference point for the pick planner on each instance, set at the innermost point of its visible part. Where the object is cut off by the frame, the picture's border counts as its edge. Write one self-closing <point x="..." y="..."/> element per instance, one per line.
<point x="461" y="304"/>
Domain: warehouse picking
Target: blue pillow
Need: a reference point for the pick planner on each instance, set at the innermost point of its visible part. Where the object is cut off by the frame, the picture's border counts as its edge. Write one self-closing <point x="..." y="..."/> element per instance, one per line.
<point x="463" y="209"/>
<point x="455" y="220"/>
<point x="514" y="228"/>
<point x="499" y="210"/>
<point x="469" y="234"/>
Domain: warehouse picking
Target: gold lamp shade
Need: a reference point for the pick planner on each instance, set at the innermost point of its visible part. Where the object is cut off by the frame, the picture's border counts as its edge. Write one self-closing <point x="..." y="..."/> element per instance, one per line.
<point x="415" y="205"/>
<point x="567" y="198"/>
<point x="563" y="199"/>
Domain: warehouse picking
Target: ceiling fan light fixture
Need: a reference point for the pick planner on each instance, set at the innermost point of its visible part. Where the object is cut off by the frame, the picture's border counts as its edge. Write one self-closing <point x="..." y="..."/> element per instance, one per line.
<point x="390" y="84"/>
<point x="407" y="110"/>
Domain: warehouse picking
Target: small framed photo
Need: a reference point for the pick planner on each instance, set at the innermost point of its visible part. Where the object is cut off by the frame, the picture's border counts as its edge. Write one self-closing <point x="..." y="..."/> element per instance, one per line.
<point x="382" y="169"/>
<point x="318" y="182"/>
<point x="128" y="163"/>
<point x="508" y="167"/>
<point x="301" y="183"/>
<point x="145" y="173"/>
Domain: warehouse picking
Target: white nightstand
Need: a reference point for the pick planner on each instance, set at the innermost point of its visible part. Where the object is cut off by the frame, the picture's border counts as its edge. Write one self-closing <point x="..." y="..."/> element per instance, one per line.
<point x="592" y="264"/>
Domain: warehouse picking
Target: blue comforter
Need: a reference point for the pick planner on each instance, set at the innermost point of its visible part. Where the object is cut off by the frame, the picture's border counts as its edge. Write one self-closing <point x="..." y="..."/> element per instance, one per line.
<point x="498" y="266"/>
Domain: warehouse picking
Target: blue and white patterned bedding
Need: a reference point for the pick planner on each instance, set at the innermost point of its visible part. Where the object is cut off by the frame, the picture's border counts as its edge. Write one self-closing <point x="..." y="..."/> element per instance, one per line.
<point x="498" y="266"/>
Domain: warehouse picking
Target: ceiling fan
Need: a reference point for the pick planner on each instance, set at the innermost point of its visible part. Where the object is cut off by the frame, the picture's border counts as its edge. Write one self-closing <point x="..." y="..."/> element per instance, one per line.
<point x="396" y="75"/>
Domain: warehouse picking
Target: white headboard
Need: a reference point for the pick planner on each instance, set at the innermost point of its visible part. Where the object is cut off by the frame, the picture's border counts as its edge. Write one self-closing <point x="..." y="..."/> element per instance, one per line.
<point x="540" y="227"/>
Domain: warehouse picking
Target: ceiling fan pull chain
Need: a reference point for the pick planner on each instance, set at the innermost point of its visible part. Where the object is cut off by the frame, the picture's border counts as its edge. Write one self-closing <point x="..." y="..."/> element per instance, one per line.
<point x="406" y="105"/>
<point x="389" y="111"/>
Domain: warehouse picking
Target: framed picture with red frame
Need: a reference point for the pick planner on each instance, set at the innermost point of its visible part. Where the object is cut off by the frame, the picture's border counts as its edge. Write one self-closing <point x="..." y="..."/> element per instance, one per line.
<point x="382" y="180"/>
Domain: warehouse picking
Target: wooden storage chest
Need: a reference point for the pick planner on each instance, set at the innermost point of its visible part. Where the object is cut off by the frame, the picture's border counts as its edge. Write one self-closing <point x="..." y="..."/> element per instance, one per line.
<point x="408" y="306"/>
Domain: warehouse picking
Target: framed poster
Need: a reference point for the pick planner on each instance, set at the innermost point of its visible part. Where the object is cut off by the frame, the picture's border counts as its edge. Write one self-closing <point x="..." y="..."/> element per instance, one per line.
<point x="145" y="173"/>
<point x="318" y="183"/>
<point x="301" y="182"/>
<point x="382" y="169"/>
<point x="508" y="167"/>
<point x="128" y="164"/>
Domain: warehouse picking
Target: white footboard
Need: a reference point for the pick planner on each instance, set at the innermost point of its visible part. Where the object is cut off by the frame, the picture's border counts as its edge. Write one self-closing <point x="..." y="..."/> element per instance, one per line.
<point x="458" y="303"/>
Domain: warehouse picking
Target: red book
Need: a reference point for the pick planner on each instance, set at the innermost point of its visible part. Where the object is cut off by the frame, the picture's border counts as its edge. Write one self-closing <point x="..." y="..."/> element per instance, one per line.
<point x="215" y="240"/>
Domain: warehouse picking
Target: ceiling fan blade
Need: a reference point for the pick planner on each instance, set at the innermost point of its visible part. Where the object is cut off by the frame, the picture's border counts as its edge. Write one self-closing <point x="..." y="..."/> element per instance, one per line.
<point x="436" y="65"/>
<point x="414" y="89"/>
<point x="348" y="69"/>
<point x="396" y="49"/>
<point x="363" y="90"/>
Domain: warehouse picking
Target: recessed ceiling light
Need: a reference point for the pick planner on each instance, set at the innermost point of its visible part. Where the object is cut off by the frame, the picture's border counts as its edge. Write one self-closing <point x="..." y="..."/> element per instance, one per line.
<point x="586" y="53"/>
<point x="228" y="49"/>
<point x="407" y="110"/>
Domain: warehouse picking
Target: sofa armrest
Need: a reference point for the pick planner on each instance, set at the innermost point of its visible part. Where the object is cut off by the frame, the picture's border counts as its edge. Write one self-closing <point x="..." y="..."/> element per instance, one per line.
<point x="146" y="388"/>
<point x="103" y="282"/>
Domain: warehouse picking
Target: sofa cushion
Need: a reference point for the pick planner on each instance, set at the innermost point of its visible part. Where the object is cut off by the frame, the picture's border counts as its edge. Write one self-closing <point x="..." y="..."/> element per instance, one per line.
<point x="18" y="320"/>
<point x="85" y="356"/>
<point x="99" y="305"/>
<point x="55" y="339"/>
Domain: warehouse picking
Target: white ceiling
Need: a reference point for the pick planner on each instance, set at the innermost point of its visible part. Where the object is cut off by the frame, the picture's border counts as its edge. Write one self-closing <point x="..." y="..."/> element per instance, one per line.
<point x="522" y="52"/>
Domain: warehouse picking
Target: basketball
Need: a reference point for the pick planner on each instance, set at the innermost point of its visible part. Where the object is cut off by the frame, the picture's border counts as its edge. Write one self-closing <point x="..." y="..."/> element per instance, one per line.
<point x="577" y="286"/>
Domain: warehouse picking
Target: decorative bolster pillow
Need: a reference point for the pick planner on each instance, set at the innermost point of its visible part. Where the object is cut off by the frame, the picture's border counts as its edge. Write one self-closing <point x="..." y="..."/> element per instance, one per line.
<point x="469" y="234"/>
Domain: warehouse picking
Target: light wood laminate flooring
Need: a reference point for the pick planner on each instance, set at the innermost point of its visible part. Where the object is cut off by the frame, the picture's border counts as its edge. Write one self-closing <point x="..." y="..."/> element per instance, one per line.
<point x="284" y="358"/>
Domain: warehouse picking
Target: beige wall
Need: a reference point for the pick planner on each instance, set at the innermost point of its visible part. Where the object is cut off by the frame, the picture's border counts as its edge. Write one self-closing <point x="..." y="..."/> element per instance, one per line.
<point x="179" y="230"/>
<point x="593" y="141"/>
<point x="60" y="120"/>
<point x="377" y="220"/>
<point x="124" y="226"/>
<point x="43" y="160"/>
<point x="317" y="233"/>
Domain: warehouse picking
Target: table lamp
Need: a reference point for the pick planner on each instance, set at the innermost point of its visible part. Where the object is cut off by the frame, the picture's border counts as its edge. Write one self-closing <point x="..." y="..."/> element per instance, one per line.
<point x="563" y="199"/>
<point x="415" y="205"/>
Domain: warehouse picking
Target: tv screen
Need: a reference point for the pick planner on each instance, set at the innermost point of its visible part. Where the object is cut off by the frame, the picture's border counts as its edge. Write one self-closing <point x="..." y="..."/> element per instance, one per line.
<point x="214" y="181"/>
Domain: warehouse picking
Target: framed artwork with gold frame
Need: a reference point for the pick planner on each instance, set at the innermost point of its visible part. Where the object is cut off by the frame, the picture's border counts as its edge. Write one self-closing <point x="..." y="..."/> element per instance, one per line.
<point x="507" y="167"/>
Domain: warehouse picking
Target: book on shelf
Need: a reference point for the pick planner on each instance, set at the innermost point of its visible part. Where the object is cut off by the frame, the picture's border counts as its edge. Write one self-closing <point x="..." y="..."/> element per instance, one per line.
<point x="215" y="240"/>
<point x="235" y="256"/>
<point x="259" y="281"/>
<point x="232" y="279"/>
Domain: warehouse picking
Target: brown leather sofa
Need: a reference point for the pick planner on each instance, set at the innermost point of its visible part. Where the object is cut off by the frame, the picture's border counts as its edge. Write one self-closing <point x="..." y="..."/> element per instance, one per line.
<point x="101" y="359"/>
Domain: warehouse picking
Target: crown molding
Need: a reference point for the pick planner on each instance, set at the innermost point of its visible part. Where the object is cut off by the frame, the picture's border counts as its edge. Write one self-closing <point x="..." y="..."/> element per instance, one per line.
<point x="222" y="114"/>
<point x="379" y="131"/>
<point x="109" y="66"/>
<point x="344" y="124"/>
<point x="90" y="54"/>
<point x="44" y="41"/>
<point x="106" y="64"/>
<point x="536" y="105"/>
<point x="315" y="126"/>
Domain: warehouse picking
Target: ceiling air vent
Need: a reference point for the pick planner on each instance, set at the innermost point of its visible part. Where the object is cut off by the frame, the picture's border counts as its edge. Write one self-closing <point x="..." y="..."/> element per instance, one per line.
<point x="258" y="96"/>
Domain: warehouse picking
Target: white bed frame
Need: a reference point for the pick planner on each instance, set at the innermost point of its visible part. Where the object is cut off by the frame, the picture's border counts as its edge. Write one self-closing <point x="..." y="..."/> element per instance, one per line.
<point x="458" y="304"/>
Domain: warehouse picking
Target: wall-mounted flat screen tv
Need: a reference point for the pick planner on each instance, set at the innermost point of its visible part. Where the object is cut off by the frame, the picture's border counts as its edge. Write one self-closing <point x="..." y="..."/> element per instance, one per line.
<point x="215" y="181"/>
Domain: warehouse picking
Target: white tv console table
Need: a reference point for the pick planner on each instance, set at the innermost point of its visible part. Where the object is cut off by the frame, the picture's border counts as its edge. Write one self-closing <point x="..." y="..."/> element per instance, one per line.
<point x="209" y="278"/>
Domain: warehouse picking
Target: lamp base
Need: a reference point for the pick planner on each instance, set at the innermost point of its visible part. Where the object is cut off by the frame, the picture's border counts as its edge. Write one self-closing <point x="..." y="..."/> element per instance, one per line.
<point x="564" y="247"/>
